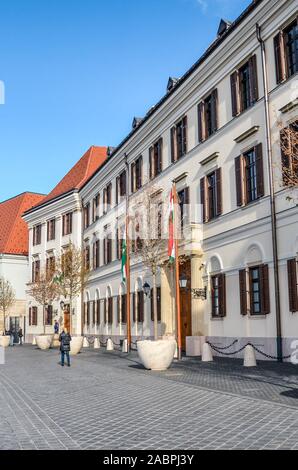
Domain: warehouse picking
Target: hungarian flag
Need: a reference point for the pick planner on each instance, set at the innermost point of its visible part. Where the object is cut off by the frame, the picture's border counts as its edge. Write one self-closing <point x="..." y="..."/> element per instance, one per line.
<point x="124" y="259"/>
<point x="172" y="248"/>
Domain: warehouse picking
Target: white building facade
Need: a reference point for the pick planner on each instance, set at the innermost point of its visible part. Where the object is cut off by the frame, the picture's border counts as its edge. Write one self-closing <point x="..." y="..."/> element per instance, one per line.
<point x="212" y="135"/>
<point x="216" y="134"/>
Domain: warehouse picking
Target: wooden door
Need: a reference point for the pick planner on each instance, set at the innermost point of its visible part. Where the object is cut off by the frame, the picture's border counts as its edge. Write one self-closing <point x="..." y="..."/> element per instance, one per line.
<point x="186" y="329"/>
<point x="185" y="300"/>
<point x="67" y="318"/>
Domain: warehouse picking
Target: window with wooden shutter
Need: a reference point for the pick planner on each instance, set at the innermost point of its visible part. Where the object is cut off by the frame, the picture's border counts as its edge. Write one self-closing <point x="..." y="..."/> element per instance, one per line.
<point x="118" y="310"/>
<point x="30" y="316"/>
<point x="98" y="312"/>
<point x="105" y="319"/>
<point x="179" y="139"/>
<point x="158" y="294"/>
<point x="239" y="181"/>
<point x="117" y="190"/>
<point x="265" y="290"/>
<point x="235" y="93"/>
<point x="253" y="79"/>
<point x="110" y="310"/>
<point x="243" y="291"/>
<point x="140" y="307"/>
<point x="280" y="62"/>
<point x="259" y="290"/>
<point x="203" y="191"/>
<point x="293" y="285"/>
<point x="174" y="150"/>
<point x="134" y="313"/>
<point x="184" y="135"/>
<point x="124" y="309"/>
<point x="94" y="313"/>
<point x="218" y="295"/>
<point x="151" y="162"/>
<point x="218" y="174"/>
<point x="155" y="159"/>
<point x="259" y="170"/>
<point x="201" y="121"/>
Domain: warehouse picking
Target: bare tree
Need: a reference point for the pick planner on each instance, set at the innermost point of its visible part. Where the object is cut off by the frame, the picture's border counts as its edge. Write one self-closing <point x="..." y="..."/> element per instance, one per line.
<point x="289" y="150"/>
<point x="43" y="290"/>
<point x="7" y="299"/>
<point x="149" y="242"/>
<point x="71" y="274"/>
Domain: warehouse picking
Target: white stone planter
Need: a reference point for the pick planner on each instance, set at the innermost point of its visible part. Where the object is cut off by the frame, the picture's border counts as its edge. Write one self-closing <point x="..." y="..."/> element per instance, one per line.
<point x="4" y="341"/>
<point x="55" y="341"/>
<point x="76" y="345"/>
<point x="157" y="355"/>
<point x="44" y="342"/>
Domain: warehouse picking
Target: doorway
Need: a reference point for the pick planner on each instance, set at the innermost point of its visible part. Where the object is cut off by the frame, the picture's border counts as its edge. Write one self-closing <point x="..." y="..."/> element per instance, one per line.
<point x="14" y="327"/>
<point x="66" y="321"/>
<point x="185" y="301"/>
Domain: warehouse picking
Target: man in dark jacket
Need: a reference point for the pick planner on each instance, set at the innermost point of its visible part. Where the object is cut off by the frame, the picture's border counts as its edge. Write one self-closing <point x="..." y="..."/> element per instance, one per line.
<point x="65" y="340"/>
<point x="20" y="335"/>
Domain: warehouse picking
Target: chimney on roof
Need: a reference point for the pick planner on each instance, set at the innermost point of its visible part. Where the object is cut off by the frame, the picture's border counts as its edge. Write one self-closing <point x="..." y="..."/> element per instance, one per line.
<point x="110" y="150"/>
<point x="223" y="27"/>
<point x="172" y="82"/>
<point x="136" y="122"/>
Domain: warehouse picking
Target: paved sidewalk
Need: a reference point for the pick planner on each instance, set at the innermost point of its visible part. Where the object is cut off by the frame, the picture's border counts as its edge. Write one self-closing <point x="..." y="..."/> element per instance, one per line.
<point x="107" y="401"/>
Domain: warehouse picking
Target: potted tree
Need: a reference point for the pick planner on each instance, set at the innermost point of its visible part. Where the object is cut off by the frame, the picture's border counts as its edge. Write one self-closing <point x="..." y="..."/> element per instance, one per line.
<point x="71" y="278"/>
<point x="150" y="248"/>
<point x="7" y="299"/>
<point x="44" y="291"/>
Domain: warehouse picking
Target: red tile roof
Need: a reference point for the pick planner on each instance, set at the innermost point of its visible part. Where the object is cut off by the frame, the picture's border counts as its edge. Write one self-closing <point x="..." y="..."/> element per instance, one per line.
<point x="79" y="174"/>
<point x="14" y="237"/>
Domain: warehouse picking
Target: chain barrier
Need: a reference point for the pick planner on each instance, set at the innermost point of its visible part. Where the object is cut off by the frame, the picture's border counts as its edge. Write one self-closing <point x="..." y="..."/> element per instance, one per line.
<point x="91" y="340"/>
<point x="268" y="355"/>
<point x="220" y="351"/>
<point x="226" y="347"/>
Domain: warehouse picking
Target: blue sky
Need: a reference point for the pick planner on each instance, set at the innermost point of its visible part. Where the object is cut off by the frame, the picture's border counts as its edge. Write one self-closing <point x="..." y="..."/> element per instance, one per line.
<point x="76" y="72"/>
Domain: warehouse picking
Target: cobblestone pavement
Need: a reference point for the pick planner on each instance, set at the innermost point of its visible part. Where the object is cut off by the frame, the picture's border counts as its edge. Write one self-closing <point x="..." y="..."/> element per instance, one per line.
<point x="107" y="401"/>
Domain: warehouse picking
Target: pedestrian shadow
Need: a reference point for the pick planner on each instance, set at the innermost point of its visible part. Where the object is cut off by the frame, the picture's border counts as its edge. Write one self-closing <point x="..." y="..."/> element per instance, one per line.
<point x="137" y="366"/>
<point x="293" y="393"/>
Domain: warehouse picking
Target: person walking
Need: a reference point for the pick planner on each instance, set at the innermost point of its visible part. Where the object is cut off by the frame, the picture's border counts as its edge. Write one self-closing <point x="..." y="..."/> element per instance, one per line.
<point x="11" y="333"/>
<point x="65" y="340"/>
<point x="56" y="328"/>
<point x="20" y="335"/>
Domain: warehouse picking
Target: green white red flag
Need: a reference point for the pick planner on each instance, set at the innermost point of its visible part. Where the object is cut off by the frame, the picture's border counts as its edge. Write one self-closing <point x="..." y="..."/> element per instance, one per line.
<point x="124" y="258"/>
<point x="172" y="245"/>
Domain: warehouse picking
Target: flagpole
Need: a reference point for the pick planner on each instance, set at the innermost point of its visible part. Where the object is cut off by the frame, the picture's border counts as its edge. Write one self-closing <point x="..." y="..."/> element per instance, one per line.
<point x="177" y="275"/>
<point x="128" y="325"/>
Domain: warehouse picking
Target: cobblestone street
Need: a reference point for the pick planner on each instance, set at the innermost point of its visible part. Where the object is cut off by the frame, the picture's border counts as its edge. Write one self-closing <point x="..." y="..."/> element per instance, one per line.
<point x="107" y="401"/>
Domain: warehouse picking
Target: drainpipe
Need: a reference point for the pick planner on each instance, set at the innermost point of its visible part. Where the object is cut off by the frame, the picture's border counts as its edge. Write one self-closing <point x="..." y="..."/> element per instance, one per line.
<point x="272" y="198"/>
<point x="82" y="245"/>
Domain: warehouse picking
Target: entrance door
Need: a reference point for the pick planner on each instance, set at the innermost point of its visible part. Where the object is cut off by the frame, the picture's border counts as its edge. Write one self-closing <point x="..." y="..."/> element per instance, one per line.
<point x="67" y="318"/>
<point x="185" y="300"/>
<point x="14" y="327"/>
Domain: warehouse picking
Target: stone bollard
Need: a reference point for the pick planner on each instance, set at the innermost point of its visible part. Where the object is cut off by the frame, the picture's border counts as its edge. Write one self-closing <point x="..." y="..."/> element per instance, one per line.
<point x="96" y="343"/>
<point x="85" y="343"/>
<point x="34" y="341"/>
<point x="110" y="345"/>
<point x="250" y="357"/>
<point x="207" y="353"/>
<point x="125" y="346"/>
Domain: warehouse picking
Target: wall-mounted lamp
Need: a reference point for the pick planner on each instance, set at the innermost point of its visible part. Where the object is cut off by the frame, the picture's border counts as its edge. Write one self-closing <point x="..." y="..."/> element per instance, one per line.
<point x="197" y="293"/>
